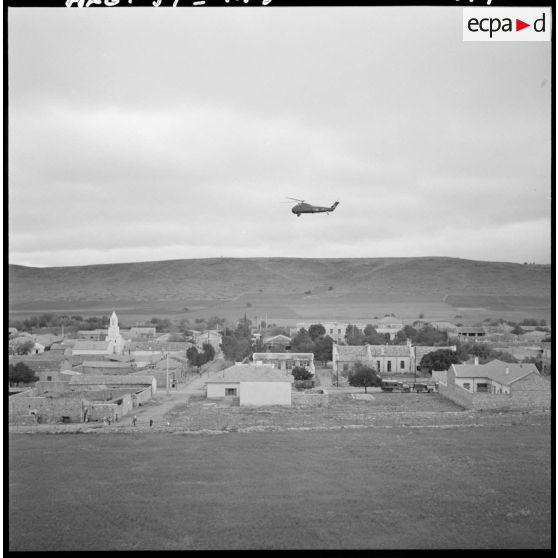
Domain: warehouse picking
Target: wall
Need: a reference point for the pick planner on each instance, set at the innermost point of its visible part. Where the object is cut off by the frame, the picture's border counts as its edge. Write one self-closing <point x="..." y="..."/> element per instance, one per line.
<point x="125" y="406"/>
<point x="217" y="390"/>
<point x="51" y="409"/>
<point x="531" y="392"/>
<point x="440" y="376"/>
<point x="142" y="397"/>
<point x="107" y="370"/>
<point x="99" y="410"/>
<point x="265" y="393"/>
<point x="51" y="387"/>
<point x="456" y="394"/>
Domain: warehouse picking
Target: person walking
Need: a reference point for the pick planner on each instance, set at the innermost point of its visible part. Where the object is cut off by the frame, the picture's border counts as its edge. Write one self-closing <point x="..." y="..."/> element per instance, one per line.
<point x="150" y="422"/>
<point x="134" y="420"/>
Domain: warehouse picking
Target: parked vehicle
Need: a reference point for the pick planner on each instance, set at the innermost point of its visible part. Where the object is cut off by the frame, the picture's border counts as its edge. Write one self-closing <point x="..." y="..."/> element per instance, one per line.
<point x="391" y="385"/>
<point x="423" y="388"/>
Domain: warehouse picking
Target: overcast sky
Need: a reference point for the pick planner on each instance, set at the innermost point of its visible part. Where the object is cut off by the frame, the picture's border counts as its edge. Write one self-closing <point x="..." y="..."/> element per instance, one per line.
<point x="146" y="134"/>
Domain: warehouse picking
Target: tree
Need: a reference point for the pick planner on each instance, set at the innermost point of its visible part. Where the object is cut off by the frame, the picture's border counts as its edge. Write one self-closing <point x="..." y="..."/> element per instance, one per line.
<point x="302" y="342"/>
<point x="441" y="359"/>
<point x="244" y="349"/>
<point x="21" y="373"/>
<point x="208" y="352"/>
<point x="536" y="361"/>
<point x="400" y="338"/>
<point x="353" y="335"/>
<point x="372" y="337"/>
<point x="243" y="329"/>
<point x="214" y="322"/>
<point x="23" y="347"/>
<point x="300" y="373"/>
<point x="410" y="333"/>
<point x="229" y="346"/>
<point x="504" y="356"/>
<point x="364" y="376"/>
<point x="323" y="349"/>
<point x="429" y="335"/>
<point x="481" y="350"/>
<point x="315" y="331"/>
<point x="192" y="355"/>
<point x="517" y="330"/>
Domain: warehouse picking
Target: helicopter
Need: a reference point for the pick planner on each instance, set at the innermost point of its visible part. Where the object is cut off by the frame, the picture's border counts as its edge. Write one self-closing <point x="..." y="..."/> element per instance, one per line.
<point x="303" y="207"/>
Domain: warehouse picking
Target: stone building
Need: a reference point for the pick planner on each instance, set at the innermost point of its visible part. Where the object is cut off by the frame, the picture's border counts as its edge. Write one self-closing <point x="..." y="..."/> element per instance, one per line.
<point x="496" y="385"/>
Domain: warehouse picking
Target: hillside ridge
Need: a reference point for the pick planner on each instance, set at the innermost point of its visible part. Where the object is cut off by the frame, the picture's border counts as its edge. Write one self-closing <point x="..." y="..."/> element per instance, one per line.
<point x="226" y="278"/>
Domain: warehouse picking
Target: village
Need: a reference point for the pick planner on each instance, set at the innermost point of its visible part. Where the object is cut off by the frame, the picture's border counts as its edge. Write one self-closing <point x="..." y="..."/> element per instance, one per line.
<point x="255" y="375"/>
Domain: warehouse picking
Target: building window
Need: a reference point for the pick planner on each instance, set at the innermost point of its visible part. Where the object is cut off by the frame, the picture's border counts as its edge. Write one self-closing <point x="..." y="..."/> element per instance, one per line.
<point x="389" y="365"/>
<point x="230" y="391"/>
<point x="402" y="365"/>
<point x="49" y="378"/>
<point x="467" y="386"/>
<point x="377" y="365"/>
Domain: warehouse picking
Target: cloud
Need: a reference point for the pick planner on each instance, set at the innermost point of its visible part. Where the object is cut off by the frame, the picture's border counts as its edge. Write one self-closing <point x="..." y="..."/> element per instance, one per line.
<point x="174" y="136"/>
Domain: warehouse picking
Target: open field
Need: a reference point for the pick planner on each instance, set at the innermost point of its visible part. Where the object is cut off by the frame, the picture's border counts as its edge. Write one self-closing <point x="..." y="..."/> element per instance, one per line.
<point x="372" y="488"/>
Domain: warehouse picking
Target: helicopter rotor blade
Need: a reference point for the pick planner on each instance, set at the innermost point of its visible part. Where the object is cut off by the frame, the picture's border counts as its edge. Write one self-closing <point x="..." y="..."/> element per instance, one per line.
<point x="295" y="199"/>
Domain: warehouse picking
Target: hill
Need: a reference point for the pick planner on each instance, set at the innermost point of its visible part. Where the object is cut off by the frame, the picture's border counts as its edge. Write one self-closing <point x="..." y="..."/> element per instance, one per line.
<point x="288" y="289"/>
<point x="225" y="278"/>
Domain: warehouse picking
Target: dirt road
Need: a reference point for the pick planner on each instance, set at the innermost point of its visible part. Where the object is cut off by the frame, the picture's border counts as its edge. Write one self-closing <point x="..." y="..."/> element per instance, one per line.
<point x="162" y="403"/>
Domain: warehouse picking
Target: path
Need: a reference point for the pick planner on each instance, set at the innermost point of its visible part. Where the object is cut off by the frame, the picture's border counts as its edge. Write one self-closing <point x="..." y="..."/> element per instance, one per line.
<point x="162" y="403"/>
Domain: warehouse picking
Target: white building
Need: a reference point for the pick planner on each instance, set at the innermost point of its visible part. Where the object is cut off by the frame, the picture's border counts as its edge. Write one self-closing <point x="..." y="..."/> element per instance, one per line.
<point x="112" y="345"/>
<point x="335" y="330"/>
<point x="493" y="377"/>
<point x="285" y="361"/>
<point x="253" y="386"/>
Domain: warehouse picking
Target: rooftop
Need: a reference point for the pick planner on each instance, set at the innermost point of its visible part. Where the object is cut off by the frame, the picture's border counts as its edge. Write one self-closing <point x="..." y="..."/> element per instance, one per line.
<point x="390" y="350"/>
<point x="351" y="352"/>
<point x="90" y="346"/>
<point x="88" y="379"/>
<point x="495" y="370"/>
<point x="251" y="373"/>
<point x="283" y="356"/>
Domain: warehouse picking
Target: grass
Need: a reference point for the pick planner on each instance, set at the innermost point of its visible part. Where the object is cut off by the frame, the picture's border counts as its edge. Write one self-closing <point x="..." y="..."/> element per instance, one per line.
<point x="486" y="487"/>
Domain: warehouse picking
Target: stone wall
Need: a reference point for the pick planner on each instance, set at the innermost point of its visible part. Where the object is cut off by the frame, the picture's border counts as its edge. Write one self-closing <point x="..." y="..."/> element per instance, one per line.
<point x="115" y="409"/>
<point x="50" y="409"/>
<point x="457" y="394"/>
<point x="143" y="396"/>
<point x="51" y="387"/>
<point x="98" y="411"/>
<point x="531" y="392"/>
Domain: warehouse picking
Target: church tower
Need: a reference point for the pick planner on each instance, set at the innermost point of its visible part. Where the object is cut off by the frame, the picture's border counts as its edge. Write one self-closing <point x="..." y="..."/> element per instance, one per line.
<point x="114" y="338"/>
<point x="113" y="330"/>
